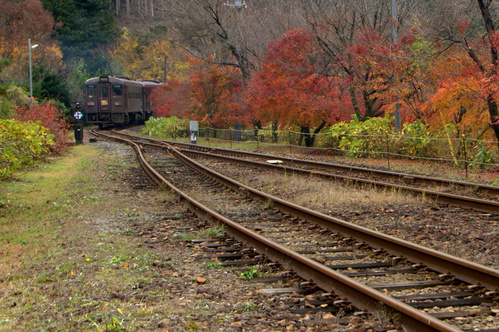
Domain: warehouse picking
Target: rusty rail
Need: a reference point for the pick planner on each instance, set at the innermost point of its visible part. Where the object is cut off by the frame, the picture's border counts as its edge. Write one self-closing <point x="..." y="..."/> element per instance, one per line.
<point x="360" y="295"/>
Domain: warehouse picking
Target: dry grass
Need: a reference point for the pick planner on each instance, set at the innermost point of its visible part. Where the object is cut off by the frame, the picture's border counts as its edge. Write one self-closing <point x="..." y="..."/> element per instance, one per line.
<point x="325" y="194"/>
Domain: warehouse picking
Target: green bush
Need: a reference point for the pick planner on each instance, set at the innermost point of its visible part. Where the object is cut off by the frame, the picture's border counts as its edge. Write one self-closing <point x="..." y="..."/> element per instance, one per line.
<point x="378" y="135"/>
<point x="166" y="127"/>
<point x="358" y="138"/>
<point x="11" y="97"/>
<point x="416" y="140"/>
<point x="483" y="156"/>
<point x="21" y="143"/>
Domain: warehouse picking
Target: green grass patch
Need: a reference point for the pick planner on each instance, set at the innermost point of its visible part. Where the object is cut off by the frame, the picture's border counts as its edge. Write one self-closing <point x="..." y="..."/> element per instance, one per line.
<point x="38" y="198"/>
<point x="207" y="233"/>
<point x="62" y="260"/>
<point x="252" y="273"/>
<point x="212" y="265"/>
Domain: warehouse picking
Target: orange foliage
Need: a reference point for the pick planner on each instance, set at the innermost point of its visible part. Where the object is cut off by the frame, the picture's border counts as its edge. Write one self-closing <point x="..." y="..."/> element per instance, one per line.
<point x="20" y="20"/>
<point x="49" y="117"/>
<point x="287" y="90"/>
<point x="209" y="95"/>
<point x="214" y="94"/>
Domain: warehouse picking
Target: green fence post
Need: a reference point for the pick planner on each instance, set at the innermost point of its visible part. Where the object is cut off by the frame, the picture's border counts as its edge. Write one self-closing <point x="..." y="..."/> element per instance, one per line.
<point x="387" y="151"/>
<point x="465" y="157"/>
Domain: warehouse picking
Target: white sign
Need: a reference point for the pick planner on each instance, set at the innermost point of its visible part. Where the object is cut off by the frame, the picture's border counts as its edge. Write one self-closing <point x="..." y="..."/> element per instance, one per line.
<point x="194" y="125"/>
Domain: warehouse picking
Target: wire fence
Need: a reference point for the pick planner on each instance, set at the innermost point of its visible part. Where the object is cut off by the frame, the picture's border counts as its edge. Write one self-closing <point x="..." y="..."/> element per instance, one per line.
<point x="462" y="152"/>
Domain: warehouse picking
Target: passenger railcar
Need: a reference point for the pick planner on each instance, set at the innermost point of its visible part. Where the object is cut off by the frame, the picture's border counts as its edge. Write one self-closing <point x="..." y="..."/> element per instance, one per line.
<point x="113" y="100"/>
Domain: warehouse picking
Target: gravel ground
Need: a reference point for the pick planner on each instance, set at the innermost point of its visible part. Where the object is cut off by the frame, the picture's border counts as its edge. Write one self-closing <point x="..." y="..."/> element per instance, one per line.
<point x="130" y="271"/>
<point x="179" y="287"/>
<point x="460" y="232"/>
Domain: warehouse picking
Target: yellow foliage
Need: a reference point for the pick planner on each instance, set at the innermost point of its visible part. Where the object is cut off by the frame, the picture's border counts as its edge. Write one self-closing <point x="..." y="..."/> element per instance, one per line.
<point x="48" y="54"/>
<point x="462" y="103"/>
<point x="154" y="60"/>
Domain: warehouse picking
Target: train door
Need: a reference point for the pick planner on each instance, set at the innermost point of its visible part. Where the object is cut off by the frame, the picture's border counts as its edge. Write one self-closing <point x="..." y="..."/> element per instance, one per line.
<point x="104" y="95"/>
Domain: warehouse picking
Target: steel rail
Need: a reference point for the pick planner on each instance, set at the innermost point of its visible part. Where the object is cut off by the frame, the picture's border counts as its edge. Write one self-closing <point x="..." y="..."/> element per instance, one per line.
<point x="462" y="269"/>
<point x="493" y="190"/>
<point x="457" y="200"/>
<point x="477" y="204"/>
<point x="360" y="295"/>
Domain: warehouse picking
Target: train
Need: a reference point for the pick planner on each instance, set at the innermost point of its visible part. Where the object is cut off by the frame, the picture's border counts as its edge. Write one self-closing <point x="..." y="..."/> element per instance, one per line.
<point x="118" y="100"/>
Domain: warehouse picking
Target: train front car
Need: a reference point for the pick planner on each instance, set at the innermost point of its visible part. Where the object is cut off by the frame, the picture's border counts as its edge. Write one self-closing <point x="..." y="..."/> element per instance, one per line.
<point x="111" y="101"/>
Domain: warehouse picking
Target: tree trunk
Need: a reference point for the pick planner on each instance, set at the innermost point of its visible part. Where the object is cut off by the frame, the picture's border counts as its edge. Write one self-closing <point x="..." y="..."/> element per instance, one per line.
<point x="491" y="31"/>
<point x="494" y="115"/>
<point x="309" y="139"/>
<point x="353" y="98"/>
<point x="274" y="131"/>
<point x="257" y="125"/>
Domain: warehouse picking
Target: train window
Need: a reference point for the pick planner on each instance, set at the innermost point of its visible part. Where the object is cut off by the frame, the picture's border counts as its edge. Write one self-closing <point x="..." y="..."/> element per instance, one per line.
<point x="104" y="91"/>
<point x="91" y="91"/>
<point x="134" y="93"/>
<point x="117" y="90"/>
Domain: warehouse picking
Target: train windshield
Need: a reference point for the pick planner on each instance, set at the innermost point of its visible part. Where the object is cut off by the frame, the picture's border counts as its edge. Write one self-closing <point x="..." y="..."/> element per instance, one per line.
<point x="104" y="91"/>
<point x="117" y="90"/>
<point x="91" y="91"/>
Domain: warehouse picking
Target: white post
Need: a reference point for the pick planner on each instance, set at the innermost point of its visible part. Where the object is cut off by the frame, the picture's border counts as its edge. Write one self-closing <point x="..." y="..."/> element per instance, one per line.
<point x="30" y="71"/>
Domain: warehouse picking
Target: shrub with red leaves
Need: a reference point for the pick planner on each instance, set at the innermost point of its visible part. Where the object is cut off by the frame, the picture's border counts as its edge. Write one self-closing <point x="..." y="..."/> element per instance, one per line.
<point x="49" y="117"/>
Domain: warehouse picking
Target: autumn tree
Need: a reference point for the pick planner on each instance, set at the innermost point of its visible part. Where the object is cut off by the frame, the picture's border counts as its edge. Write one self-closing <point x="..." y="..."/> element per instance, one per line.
<point x="172" y="98"/>
<point x="488" y="65"/>
<point x="209" y="94"/>
<point x="234" y="36"/>
<point x="23" y="20"/>
<point x="342" y="29"/>
<point x="214" y="90"/>
<point x="20" y="20"/>
<point x="148" y="56"/>
<point x="287" y="89"/>
<point x="469" y="25"/>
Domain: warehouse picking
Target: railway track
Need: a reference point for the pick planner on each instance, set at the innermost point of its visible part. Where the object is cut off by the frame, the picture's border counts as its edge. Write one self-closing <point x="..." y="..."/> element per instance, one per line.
<point x="484" y="198"/>
<point x="381" y="174"/>
<point x="343" y="258"/>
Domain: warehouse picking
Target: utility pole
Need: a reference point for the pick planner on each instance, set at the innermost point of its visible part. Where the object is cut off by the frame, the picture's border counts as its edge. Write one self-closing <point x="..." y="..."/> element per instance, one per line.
<point x="30" y="71"/>
<point x="398" y="124"/>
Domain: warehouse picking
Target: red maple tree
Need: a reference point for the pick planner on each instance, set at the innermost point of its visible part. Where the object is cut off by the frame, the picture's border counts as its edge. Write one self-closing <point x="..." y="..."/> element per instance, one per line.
<point x="49" y="117"/>
<point x="288" y="90"/>
<point x="210" y="95"/>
